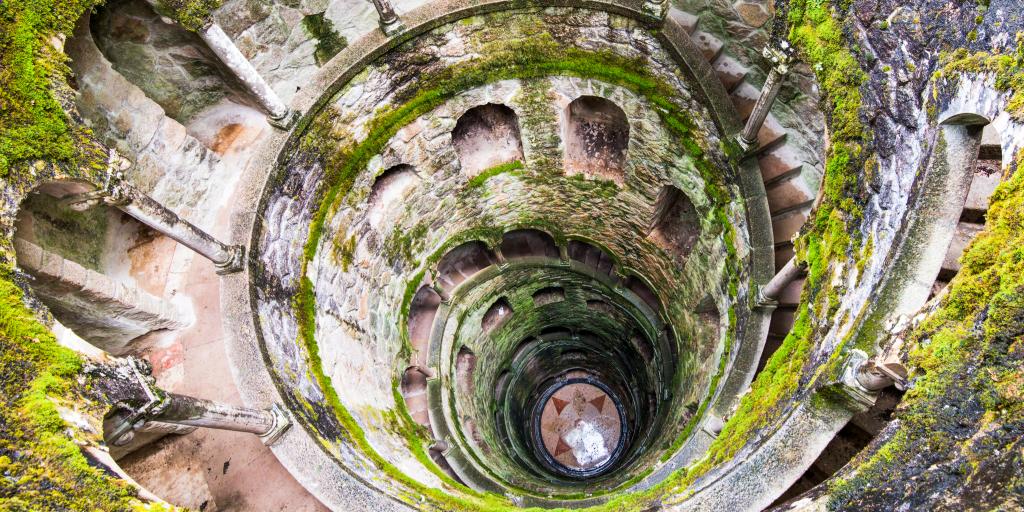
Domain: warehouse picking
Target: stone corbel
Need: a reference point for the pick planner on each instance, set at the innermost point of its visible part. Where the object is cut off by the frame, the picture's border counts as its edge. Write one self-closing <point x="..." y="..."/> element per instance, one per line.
<point x="862" y="378"/>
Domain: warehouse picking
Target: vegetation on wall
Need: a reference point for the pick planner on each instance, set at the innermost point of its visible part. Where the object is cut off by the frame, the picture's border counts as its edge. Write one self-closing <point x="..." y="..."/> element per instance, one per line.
<point x="1007" y="69"/>
<point x="42" y="467"/>
<point x="968" y="360"/>
<point x="33" y="125"/>
<point x="537" y="57"/>
<point x="190" y="14"/>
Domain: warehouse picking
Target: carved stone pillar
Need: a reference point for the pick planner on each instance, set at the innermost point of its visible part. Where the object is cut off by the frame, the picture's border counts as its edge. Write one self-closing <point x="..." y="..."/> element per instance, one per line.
<point x="780" y="57"/>
<point x="229" y="54"/>
<point x="389" y="22"/>
<point x="145" y="209"/>
<point x="140" y="406"/>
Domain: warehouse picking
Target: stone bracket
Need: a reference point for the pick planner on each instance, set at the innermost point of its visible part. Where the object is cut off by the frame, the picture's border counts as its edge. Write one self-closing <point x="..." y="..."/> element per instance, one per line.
<point x="282" y="422"/>
<point x="287" y="122"/>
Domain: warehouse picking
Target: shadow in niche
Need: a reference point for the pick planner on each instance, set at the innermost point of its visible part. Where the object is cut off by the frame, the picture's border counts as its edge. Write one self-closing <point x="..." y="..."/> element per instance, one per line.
<point x="387" y="193"/>
<point x="675" y="226"/>
<point x="496" y="315"/>
<point x="414" y="390"/>
<point x="463" y="262"/>
<point x="591" y="256"/>
<point x="486" y="136"/>
<point x="596" y="137"/>
<point x="422" y="310"/>
<point x="524" y="243"/>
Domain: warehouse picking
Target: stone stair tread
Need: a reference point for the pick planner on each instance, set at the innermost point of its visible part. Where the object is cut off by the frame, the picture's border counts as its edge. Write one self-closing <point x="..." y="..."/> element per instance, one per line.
<point x="730" y="72"/>
<point x="709" y="45"/>
<point x="687" y="20"/>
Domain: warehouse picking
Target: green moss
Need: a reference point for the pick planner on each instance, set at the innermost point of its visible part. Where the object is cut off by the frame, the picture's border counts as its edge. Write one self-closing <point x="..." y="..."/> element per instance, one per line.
<point x="33" y="125"/>
<point x="190" y="14"/>
<point x="328" y="41"/>
<point x="505" y="168"/>
<point x="344" y="251"/>
<point x="1008" y="70"/>
<point x="971" y="345"/>
<point x="43" y="467"/>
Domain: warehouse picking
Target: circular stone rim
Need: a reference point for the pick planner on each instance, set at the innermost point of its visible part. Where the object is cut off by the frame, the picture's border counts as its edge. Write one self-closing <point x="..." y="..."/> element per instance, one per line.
<point x="538" y="443"/>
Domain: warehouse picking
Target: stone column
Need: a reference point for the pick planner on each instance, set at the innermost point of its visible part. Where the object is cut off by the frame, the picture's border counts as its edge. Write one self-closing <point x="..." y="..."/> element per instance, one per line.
<point x="145" y="209"/>
<point x="389" y="22"/>
<point x="229" y="54"/>
<point x="779" y="56"/>
<point x="141" y="406"/>
<point x="769" y="293"/>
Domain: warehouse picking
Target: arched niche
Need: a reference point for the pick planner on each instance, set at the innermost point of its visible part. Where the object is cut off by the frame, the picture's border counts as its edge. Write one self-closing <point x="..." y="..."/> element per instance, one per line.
<point x="487" y="136"/>
<point x="463" y="262"/>
<point x="675" y="226"/>
<point x="496" y="315"/>
<point x="414" y="390"/>
<point x="596" y="137"/>
<point x="640" y="288"/>
<point x="548" y="295"/>
<point x="100" y="272"/>
<point x="170" y="64"/>
<point x="388" y="192"/>
<point x="591" y="256"/>
<point x="987" y="174"/>
<point x="422" y="310"/>
<point x="524" y="243"/>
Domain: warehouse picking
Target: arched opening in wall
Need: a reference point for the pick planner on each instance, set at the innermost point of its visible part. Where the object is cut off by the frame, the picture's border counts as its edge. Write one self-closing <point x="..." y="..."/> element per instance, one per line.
<point x="848" y="442"/>
<point x="600" y="306"/>
<point x="414" y="391"/>
<point x="675" y="226"/>
<point x="548" y="295"/>
<point x="100" y="272"/>
<point x="174" y="68"/>
<point x="463" y="262"/>
<point x="497" y="314"/>
<point x="465" y="368"/>
<point x="524" y="243"/>
<point x="422" y="310"/>
<point x="387" y="193"/>
<point x="988" y="173"/>
<point x="591" y="256"/>
<point x="485" y="137"/>
<point x="640" y="288"/>
<point x="596" y="136"/>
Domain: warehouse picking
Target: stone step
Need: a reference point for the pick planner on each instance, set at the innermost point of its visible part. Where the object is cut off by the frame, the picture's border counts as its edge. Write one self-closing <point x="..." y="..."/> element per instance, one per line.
<point x="730" y="72"/>
<point x="790" y="296"/>
<point x="787" y="224"/>
<point x="965" y="232"/>
<point x="686" y="20"/>
<point x="987" y="175"/>
<point x="782" y="322"/>
<point x="783" y="253"/>
<point x="787" y="194"/>
<point x="777" y="163"/>
<point x="743" y="99"/>
<point x="709" y="45"/>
